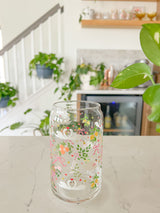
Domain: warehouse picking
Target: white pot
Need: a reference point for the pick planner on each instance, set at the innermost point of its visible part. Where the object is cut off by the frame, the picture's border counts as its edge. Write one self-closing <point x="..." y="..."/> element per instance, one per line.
<point x="85" y="78"/>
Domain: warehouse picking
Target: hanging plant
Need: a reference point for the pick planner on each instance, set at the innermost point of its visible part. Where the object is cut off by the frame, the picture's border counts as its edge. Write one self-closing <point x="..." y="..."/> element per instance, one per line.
<point x="46" y="66"/>
<point x="8" y="95"/>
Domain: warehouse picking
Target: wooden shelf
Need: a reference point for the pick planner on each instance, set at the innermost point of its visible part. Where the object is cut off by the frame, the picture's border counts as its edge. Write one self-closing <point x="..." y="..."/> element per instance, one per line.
<point x="118" y="130"/>
<point x="108" y="23"/>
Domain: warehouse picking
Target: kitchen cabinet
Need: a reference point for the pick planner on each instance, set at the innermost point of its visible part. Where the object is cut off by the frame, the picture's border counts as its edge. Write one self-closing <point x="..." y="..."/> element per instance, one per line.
<point x="109" y="23"/>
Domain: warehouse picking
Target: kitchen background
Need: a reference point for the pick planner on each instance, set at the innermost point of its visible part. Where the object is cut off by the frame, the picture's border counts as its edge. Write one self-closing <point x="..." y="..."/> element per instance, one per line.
<point x="114" y="42"/>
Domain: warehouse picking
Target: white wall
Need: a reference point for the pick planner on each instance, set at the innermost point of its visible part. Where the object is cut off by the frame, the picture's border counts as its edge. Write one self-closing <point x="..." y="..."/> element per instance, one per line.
<point x="16" y="15"/>
<point x="77" y="37"/>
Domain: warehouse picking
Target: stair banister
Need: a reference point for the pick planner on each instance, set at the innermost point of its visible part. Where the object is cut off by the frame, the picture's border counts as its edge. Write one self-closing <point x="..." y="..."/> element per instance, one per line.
<point x="32" y="27"/>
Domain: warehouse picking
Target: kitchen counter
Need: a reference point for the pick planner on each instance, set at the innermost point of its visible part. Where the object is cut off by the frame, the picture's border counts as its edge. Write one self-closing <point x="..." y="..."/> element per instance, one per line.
<point x="131" y="177"/>
<point x="113" y="91"/>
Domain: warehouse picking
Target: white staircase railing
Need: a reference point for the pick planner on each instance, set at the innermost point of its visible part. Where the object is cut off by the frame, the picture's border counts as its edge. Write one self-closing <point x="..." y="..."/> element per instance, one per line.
<point x="43" y="35"/>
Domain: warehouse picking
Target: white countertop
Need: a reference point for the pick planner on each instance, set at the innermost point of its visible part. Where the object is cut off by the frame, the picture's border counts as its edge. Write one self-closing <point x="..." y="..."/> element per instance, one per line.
<point x="131" y="177"/>
<point x="113" y="91"/>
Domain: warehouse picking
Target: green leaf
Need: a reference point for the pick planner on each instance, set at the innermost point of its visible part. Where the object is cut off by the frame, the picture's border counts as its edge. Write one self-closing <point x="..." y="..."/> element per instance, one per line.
<point x="27" y="111"/>
<point x="132" y="76"/>
<point x="152" y="95"/>
<point x="155" y="114"/>
<point x="15" y="99"/>
<point x="16" y="125"/>
<point x="158" y="127"/>
<point x="9" y="102"/>
<point x="150" y="42"/>
<point x="69" y="96"/>
<point x="13" y="104"/>
<point x="30" y="73"/>
<point x="1" y="130"/>
<point x="94" y="81"/>
<point x="80" y="18"/>
<point x="47" y="112"/>
<point x="56" y="90"/>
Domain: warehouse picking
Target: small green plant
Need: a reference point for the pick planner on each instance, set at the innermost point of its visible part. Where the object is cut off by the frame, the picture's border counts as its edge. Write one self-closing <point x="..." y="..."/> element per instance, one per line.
<point x="42" y="127"/>
<point x="6" y="90"/>
<point x="139" y="73"/>
<point x="49" y="60"/>
<point x="75" y="82"/>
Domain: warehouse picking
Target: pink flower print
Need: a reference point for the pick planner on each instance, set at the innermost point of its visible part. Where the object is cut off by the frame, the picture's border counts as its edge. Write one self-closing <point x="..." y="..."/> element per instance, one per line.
<point x="94" y="164"/>
<point x="51" y="144"/>
<point x="80" y="131"/>
<point x="96" y="149"/>
<point x="53" y="173"/>
<point x="51" y="155"/>
<point x="76" y="156"/>
<point x="58" y="167"/>
<point x="61" y="160"/>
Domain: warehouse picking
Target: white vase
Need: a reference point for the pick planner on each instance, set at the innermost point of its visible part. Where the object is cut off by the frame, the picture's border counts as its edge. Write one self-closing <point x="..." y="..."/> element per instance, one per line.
<point x="85" y="78"/>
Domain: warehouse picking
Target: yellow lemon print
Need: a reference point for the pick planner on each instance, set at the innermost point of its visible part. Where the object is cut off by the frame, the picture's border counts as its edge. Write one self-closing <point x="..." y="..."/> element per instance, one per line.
<point x="92" y="137"/>
<point x="96" y="181"/>
<point x="92" y="185"/>
<point x="96" y="133"/>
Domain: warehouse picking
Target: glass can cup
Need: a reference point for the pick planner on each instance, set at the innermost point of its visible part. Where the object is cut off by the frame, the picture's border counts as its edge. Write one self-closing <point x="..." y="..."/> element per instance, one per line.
<point x="76" y="144"/>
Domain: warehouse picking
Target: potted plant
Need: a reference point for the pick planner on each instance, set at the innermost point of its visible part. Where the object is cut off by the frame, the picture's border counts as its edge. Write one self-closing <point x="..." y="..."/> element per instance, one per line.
<point x="75" y="82"/>
<point x="7" y="95"/>
<point x="139" y="73"/>
<point x="46" y="65"/>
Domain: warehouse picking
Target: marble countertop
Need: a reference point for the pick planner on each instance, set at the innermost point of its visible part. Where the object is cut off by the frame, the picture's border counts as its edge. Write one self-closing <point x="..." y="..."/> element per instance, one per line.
<point x="131" y="177"/>
<point x="113" y="91"/>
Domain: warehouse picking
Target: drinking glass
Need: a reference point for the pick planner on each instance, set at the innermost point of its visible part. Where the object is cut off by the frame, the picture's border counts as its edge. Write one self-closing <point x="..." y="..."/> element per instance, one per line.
<point x="151" y="15"/>
<point x="140" y="15"/>
<point x="76" y="142"/>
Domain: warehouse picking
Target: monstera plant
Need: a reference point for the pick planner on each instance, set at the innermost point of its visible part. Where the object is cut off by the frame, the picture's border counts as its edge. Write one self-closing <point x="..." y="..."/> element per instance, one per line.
<point x="139" y="73"/>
